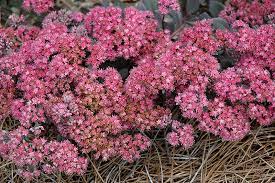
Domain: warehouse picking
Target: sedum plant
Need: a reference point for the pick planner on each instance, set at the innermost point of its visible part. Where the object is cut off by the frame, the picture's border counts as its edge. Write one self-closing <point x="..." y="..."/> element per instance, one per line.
<point x="101" y="82"/>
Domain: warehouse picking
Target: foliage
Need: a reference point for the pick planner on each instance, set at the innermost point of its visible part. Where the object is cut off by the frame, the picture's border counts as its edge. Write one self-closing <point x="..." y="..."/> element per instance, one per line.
<point x="101" y="82"/>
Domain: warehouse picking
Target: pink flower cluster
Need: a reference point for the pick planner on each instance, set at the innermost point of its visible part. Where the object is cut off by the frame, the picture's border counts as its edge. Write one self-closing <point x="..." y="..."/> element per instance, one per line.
<point x="219" y="98"/>
<point x="6" y="95"/>
<point x="11" y="38"/>
<point x="55" y="88"/>
<point x="126" y="33"/>
<point x="100" y="83"/>
<point x="231" y="123"/>
<point x="66" y="17"/>
<point x="181" y="135"/>
<point x="257" y="45"/>
<point x="15" y="20"/>
<point x="255" y="12"/>
<point x="38" y="6"/>
<point x="166" y="5"/>
<point x="200" y="34"/>
<point x="36" y="155"/>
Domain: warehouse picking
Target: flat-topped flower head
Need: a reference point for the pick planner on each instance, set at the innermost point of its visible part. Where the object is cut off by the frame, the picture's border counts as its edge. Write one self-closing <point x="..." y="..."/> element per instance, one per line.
<point x="165" y="6"/>
<point x="38" y="6"/>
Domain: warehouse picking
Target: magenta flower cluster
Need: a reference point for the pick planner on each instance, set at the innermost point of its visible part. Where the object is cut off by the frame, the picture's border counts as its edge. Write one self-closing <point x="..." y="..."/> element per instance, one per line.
<point x="254" y="13"/>
<point x="165" y="6"/>
<point x="181" y="135"/>
<point x="101" y="83"/>
<point x="40" y="154"/>
<point x="38" y="6"/>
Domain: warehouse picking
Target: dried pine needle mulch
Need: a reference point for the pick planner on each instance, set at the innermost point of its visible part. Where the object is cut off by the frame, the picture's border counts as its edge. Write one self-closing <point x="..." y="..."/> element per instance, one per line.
<point x="209" y="161"/>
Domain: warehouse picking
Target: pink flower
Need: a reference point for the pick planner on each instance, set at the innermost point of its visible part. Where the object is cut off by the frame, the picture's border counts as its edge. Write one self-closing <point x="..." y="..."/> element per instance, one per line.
<point x="97" y="83"/>
<point x="166" y="5"/>
<point x="231" y="123"/>
<point x="38" y="6"/>
<point x="252" y="12"/>
<point x="201" y="36"/>
<point x="126" y="35"/>
<point x="261" y="114"/>
<point x="181" y="134"/>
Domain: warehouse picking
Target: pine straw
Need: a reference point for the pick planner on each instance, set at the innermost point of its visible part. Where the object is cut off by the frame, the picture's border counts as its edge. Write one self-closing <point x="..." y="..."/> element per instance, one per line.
<point x="210" y="161"/>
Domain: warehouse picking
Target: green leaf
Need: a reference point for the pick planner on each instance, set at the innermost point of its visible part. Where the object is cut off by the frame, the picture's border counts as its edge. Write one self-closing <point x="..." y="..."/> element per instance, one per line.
<point x="154" y="4"/>
<point x="225" y="61"/>
<point x="220" y="23"/>
<point x="59" y="138"/>
<point x="215" y="7"/>
<point x="140" y="5"/>
<point x="116" y="2"/>
<point x="149" y="5"/>
<point x="15" y="10"/>
<point x="124" y="72"/>
<point x="204" y="15"/>
<point x="119" y="3"/>
<point x="192" y="6"/>
<point x="26" y="138"/>
<point x="177" y="19"/>
<point x="169" y="22"/>
<point x="203" y="2"/>
<point x="105" y="3"/>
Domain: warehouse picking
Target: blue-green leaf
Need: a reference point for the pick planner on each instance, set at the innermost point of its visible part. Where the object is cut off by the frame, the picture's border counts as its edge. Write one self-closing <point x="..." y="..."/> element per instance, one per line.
<point x="192" y="6"/>
<point x="220" y="23"/>
<point x="215" y="7"/>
